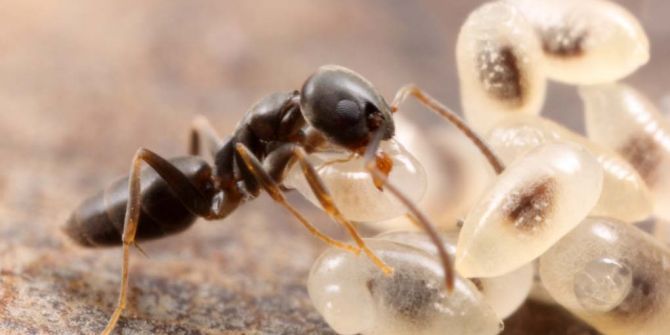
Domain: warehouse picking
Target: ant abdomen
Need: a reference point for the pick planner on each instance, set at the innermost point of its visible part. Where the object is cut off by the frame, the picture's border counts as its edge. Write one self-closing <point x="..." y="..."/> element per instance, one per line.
<point x="98" y="221"/>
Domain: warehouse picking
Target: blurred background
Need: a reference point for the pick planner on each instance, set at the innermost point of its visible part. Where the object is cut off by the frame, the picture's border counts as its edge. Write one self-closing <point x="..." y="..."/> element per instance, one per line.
<point x="84" y="84"/>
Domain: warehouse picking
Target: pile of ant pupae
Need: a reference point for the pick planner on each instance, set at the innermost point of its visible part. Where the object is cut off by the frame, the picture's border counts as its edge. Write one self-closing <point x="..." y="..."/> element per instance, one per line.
<point x="565" y="204"/>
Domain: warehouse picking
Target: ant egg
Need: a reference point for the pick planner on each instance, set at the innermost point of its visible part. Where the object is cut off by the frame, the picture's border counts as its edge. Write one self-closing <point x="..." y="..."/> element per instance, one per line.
<point x="500" y="65"/>
<point x="504" y="294"/>
<point x="587" y="41"/>
<point x="625" y="195"/>
<point x="612" y="275"/>
<point x="352" y="188"/>
<point x="619" y="117"/>
<point x="539" y="198"/>
<point x="355" y="297"/>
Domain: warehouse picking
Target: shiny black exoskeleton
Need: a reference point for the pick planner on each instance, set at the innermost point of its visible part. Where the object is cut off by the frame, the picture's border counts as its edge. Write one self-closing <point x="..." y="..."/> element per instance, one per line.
<point x="334" y="106"/>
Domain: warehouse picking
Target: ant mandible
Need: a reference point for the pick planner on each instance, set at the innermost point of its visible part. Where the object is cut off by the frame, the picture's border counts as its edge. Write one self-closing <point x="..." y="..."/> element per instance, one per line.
<point x="335" y="106"/>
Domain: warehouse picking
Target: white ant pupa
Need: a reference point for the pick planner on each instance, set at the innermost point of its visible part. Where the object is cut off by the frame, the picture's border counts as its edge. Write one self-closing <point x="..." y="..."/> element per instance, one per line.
<point x="500" y="65"/>
<point x="587" y="41"/>
<point x="352" y="187"/>
<point x="532" y="204"/>
<point x="625" y="195"/>
<point x="457" y="171"/>
<point x="619" y="117"/>
<point x="505" y="293"/>
<point x="356" y="298"/>
<point x="612" y="275"/>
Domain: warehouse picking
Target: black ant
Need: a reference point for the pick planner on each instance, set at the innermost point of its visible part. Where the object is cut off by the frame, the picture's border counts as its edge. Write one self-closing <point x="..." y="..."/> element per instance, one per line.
<point x="335" y="106"/>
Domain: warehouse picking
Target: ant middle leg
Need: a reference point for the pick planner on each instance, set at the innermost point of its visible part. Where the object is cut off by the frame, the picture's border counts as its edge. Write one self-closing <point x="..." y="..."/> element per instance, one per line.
<point x="442" y="110"/>
<point x="183" y="188"/>
<point x="275" y="192"/>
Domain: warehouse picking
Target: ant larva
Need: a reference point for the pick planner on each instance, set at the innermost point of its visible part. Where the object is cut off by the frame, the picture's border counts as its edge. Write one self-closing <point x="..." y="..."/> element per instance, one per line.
<point x="336" y="108"/>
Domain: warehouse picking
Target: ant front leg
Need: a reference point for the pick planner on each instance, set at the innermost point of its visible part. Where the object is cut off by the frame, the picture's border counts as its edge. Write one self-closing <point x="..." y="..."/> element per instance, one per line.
<point x="417" y="216"/>
<point x="319" y="189"/>
<point x="182" y="187"/>
<point x="434" y="105"/>
<point x="275" y="192"/>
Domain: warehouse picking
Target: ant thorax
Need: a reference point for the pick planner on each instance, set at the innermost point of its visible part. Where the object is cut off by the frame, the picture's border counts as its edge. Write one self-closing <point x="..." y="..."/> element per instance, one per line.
<point x="352" y="188"/>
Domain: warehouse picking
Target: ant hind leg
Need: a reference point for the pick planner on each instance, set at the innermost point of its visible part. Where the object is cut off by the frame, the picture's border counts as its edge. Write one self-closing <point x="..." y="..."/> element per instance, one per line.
<point x="203" y="131"/>
<point x="182" y="187"/>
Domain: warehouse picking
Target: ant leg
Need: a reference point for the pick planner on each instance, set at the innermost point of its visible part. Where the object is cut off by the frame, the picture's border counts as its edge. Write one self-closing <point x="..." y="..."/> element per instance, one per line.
<point x="321" y="191"/>
<point x="417" y="215"/>
<point x="266" y="181"/>
<point x="202" y="130"/>
<point x="434" y="105"/>
<point x="187" y="192"/>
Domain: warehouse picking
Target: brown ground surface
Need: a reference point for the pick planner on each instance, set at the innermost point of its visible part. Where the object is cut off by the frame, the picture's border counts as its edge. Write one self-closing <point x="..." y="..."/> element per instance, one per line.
<point x="83" y="85"/>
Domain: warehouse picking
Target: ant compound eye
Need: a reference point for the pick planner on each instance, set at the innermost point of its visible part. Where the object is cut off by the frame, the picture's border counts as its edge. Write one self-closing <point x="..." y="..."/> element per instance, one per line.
<point x="619" y="117"/>
<point x="612" y="275"/>
<point x="348" y="113"/>
<point x="537" y="199"/>
<point x="500" y="65"/>
<point x="587" y="42"/>
<point x="505" y="294"/>
<point x="352" y="188"/>
<point x="355" y="297"/>
<point x="625" y="195"/>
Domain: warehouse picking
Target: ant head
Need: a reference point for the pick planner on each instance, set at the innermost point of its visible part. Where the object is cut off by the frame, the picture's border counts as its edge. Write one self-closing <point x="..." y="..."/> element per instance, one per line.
<point x="345" y="107"/>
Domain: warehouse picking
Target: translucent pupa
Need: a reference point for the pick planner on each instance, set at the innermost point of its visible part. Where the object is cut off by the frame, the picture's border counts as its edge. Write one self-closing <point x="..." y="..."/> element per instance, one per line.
<point x="621" y="118"/>
<point x="625" y="195"/>
<point x="500" y="65"/>
<point x="504" y="294"/>
<point x="533" y="203"/>
<point x="586" y="41"/>
<point x="457" y="171"/>
<point x="612" y="275"/>
<point x="354" y="298"/>
<point x="352" y="187"/>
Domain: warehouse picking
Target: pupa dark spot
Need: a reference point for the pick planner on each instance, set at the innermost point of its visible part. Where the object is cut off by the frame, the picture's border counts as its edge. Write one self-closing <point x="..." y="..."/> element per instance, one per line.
<point x="408" y="295"/>
<point x="563" y="42"/>
<point x="527" y="208"/>
<point x="500" y="74"/>
<point x="644" y="154"/>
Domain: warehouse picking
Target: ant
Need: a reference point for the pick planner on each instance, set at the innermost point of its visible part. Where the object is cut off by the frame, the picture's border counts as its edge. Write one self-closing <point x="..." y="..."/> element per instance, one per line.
<point x="335" y="107"/>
